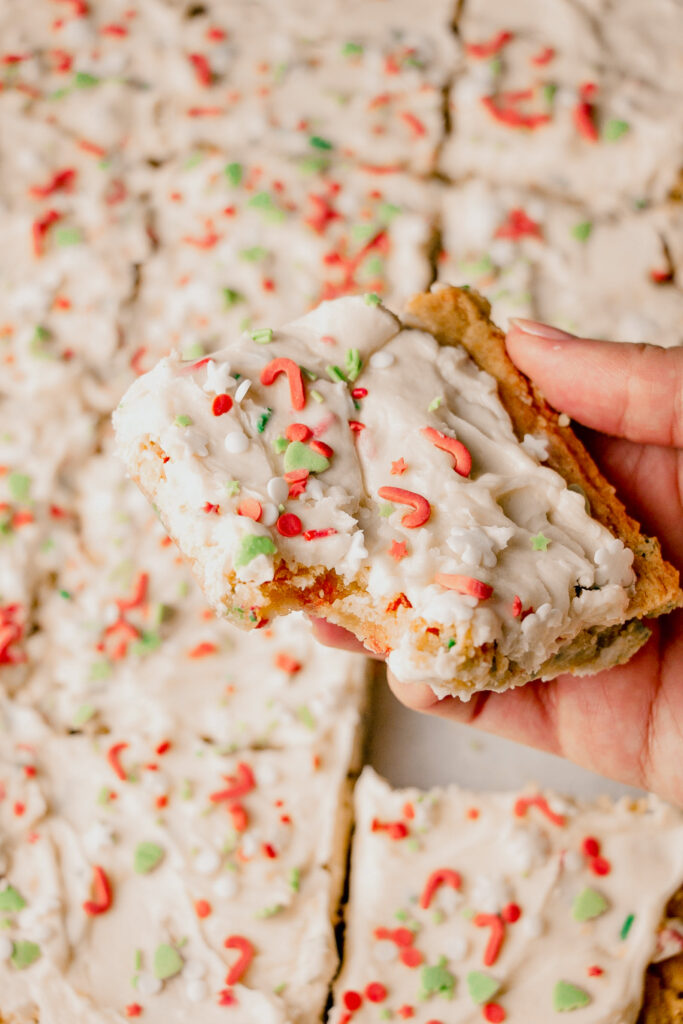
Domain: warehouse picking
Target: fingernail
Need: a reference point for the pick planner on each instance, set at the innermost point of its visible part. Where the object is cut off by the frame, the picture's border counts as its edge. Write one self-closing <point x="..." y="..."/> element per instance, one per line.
<point x="541" y="330"/>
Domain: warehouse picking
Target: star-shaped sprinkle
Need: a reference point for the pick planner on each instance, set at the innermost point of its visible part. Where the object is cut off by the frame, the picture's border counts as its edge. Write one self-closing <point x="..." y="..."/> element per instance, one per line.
<point x="539" y="542"/>
<point x="437" y="980"/>
<point x="398" y="467"/>
<point x="398" y="550"/>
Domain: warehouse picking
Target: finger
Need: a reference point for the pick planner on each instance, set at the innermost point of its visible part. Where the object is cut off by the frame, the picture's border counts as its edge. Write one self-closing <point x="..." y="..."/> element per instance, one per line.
<point x="330" y="635"/>
<point x="630" y="391"/>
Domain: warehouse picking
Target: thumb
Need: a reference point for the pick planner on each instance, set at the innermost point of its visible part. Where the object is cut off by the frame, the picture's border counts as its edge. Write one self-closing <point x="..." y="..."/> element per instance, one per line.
<point x="630" y="391"/>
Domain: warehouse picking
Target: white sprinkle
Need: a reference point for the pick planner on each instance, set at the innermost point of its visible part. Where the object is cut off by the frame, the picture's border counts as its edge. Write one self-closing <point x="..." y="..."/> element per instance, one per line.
<point x="225" y="887"/>
<point x="381" y="360"/>
<point x="572" y="861"/>
<point x="456" y="947"/>
<point x="193" y="970"/>
<point x="385" y="951"/>
<point x="269" y="514"/>
<point x="536" y="446"/>
<point x="314" y="489"/>
<point x="148" y="985"/>
<point x="242" y="389"/>
<point x="236" y="442"/>
<point x="6" y="947"/>
<point x="249" y="846"/>
<point x="531" y="926"/>
<point x="563" y="420"/>
<point x="278" y="490"/>
<point x="206" y="862"/>
<point x="196" y="991"/>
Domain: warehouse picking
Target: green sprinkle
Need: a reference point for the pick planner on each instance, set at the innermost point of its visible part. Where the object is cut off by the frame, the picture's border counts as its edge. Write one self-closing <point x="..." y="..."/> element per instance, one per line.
<point x="183" y="421"/>
<point x="308" y="374"/>
<point x="626" y="926"/>
<point x="193" y="161"/>
<point x="263" y="336"/>
<point x="19" y="486"/>
<point x="271" y="911"/>
<point x="103" y="796"/>
<point x="167" y="961"/>
<point x="582" y="230"/>
<point x="262" y="201"/>
<point x="233" y="173"/>
<point x="6" y="923"/>
<point x="147" y="857"/>
<point x="263" y="420"/>
<point x="335" y="374"/>
<point x="351" y="49"/>
<point x="548" y="92"/>
<point x="353" y="363"/>
<point x="386" y="509"/>
<point x="231" y="297"/>
<point x="363" y="232"/>
<point x="481" y="987"/>
<point x="313" y="164"/>
<point x="11" y="900"/>
<point x="319" y="143"/>
<point x="295" y="879"/>
<point x="24" y="954"/>
<point x="614" y="129"/>
<point x="67" y="236"/>
<point x="65" y="594"/>
<point x="279" y="989"/>
<point x="300" y="456"/>
<point x="437" y="980"/>
<point x="477" y="268"/>
<point x="435" y="403"/>
<point x="82" y="80"/>
<point x="82" y="715"/>
<point x="232" y="487"/>
<point x="387" y="211"/>
<point x="539" y="542"/>
<point x="451" y="643"/>
<point x="401" y="915"/>
<point x="588" y="905"/>
<point x="254" y="254"/>
<point x="280" y="444"/>
<point x="373" y="266"/>
<point x="372" y="299"/>
<point x="386" y="1014"/>
<point x="251" y="547"/>
<point x="305" y="716"/>
<point x="137" y="959"/>
<point x="100" y="670"/>
<point x="495" y="65"/>
<point x="161" y="613"/>
<point x="569" y="997"/>
<point x="186" y="791"/>
<point x="316" y="396"/>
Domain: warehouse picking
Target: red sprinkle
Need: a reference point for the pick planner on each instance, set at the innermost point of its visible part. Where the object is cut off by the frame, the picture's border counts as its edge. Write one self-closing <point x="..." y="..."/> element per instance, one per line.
<point x="600" y="866"/>
<point x="238" y="785"/>
<point x="246" y="951"/>
<point x="462" y="460"/>
<point x="133" y="1010"/>
<point x="394" y="829"/>
<point x="594" y="971"/>
<point x="288" y="525"/>
<point x="209" y="507"/>
<point x="298" y="432"/>
<point x="494" y="1013"/>
<point x="398" y="550"/>
<point x="221" y="404"/>
<point x="202" y="650"/>
<point x="519" y="225"/>
<point x="511" y="913"/>
<point x="524" y="802"/>
<point x="543" y="57"/>
<point x="590" y="846"/>
<point x="294" y="376"/>
<point x="251" y="508"/>
<point x="352" y="1000"/>
<point x="318" y="534"/>
<point x="411" y="957"/>
<point x="202" y="69"/>
<point x="286" y="663"/>
<point x="138" y="596"/>
<point x="322" y="449"/>
<point x="113" y="759"/>
<point x="464" y="585"/>
<point x="202" y="908"/>
<point x="507" y="113"/>
<point x="442" y="876"/>
<point x="421" y="507"/>
<point x="516" y="606"/>
<point x="102" y="890"/>
<point x="60" y="181"/>
<point x="480" y="51"/>
<point x="40" y="229"/>
<point x="416" y="126"/>
<point x="497" y="926"/>
<point x="359" y="393"/>
<point x="584" y="113"/>
<point x="398" y="467"/>
<point x="356" y="426"/>
<point x="375" y="992"/>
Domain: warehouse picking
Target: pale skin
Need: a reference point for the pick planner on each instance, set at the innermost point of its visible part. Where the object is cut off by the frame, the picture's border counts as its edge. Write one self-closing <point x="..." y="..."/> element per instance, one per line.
<point x="627" y="722"/>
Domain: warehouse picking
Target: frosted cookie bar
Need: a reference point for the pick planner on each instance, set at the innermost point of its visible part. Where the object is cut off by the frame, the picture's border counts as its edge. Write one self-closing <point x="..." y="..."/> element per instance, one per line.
<point x="167" y="881"/>
<point x="503" y="906"/>
<point x="391" y="477"/>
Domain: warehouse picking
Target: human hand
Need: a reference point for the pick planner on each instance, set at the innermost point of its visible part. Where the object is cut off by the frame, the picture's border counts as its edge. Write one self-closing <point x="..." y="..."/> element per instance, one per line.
<point x="627" y="722"/>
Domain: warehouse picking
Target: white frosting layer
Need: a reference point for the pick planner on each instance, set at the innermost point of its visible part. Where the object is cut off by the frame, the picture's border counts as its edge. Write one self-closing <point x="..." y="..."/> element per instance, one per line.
<point x="511" y="524"/>
<point x="506" y="854"/>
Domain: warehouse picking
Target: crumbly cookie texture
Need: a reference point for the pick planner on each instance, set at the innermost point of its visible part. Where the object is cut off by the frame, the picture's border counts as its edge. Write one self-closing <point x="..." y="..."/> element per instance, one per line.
<point x="503" y="906"/>
<point x="403" y="480"/>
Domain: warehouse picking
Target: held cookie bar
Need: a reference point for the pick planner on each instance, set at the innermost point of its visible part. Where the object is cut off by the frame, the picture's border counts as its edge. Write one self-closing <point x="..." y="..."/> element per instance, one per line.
<point x="517" y="907"/>
<point x="403" y="480"/>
